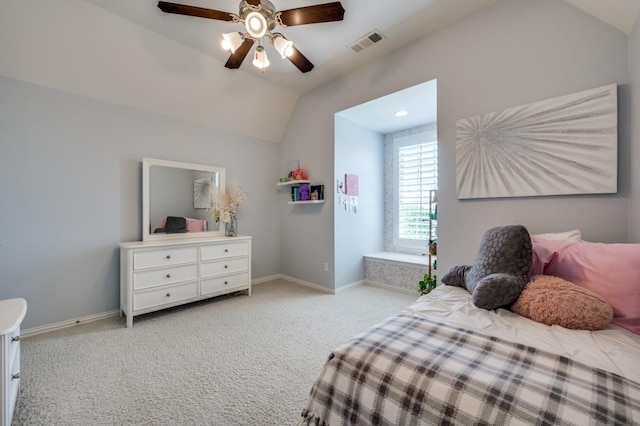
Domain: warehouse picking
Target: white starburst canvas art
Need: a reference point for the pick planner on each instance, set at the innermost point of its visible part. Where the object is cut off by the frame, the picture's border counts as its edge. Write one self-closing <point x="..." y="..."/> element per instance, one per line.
<point x="560" y="146"/>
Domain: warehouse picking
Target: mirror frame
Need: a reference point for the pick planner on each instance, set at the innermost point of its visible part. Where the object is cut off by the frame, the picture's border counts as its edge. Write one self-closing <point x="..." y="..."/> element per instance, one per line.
<point x="147" y="163"/>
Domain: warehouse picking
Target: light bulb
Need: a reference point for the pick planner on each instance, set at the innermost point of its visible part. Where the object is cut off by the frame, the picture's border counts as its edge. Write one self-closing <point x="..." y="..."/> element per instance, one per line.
<point x="282" y="45"/>
<point x="231" y="41"/>
<point x="260" y="59"/>
<point x="256" y="24"/>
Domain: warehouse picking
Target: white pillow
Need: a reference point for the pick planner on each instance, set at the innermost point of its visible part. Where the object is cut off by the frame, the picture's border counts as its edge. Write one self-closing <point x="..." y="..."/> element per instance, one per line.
<point x="573" y="236"/>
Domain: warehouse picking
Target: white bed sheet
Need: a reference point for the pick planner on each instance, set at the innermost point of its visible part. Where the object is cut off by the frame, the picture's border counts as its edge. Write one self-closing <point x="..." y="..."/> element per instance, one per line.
<point x="613" y="349"/>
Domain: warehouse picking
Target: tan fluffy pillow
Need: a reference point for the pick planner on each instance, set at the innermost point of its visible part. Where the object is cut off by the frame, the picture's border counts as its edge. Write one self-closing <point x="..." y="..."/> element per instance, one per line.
<point x="554" y="301"/>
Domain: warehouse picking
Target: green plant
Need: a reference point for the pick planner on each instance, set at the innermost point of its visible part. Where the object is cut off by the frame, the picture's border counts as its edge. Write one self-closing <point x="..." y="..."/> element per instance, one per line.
<point x="427" y="284"/>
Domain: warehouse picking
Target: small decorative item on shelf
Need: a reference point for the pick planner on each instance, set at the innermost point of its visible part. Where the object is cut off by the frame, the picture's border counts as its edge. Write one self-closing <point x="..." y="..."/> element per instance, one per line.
<point x="225" y="207"/>
<point x="298" y="174"/>
<point x="304" y="194"/>
<point x="318" y="190"/>
<point x="433" y="248"/>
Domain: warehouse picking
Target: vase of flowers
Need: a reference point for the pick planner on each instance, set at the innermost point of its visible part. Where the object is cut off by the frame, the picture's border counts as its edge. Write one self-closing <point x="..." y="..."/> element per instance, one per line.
<point x="224" y="209"/>
<point x="231" y="227"/>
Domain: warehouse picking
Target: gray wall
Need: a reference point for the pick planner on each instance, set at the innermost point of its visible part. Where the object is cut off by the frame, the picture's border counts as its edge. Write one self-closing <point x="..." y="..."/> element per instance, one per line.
<point x="517" y="52"/>
<point x="70" y="186"/>
<point x="359" y="151"/>
<point x="70" y="165"/>
<point x="634" y="75"/>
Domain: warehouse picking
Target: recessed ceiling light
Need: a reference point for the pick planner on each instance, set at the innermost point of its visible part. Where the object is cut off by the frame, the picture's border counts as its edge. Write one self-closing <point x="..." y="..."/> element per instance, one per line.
<point x="401" y="113"/>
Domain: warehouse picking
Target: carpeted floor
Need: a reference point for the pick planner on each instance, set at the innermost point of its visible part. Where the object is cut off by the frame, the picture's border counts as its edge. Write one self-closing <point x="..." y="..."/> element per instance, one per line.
<point x="234" y="360"/>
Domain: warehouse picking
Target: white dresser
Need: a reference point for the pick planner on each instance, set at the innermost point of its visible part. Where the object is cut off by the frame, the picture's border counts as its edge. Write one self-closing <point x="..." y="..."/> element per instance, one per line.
<point x="160" y="274"/>
<point x="12" y="312"/>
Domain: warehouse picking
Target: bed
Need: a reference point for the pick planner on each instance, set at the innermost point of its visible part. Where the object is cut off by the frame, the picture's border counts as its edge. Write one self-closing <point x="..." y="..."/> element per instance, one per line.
<point x="444" y="360"/>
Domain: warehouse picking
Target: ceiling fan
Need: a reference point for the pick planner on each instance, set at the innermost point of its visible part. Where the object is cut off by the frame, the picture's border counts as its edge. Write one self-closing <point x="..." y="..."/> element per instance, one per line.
<point x="260" y="19"/>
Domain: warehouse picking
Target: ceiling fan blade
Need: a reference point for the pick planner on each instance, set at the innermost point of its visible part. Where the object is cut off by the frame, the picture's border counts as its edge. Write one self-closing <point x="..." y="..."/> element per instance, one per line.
<point x="236" y="58"/>
<point x="300" y="61"/>
<point x="253" y="2"/>
<point x="312" y="14"/>
<point x="200" y="12"/>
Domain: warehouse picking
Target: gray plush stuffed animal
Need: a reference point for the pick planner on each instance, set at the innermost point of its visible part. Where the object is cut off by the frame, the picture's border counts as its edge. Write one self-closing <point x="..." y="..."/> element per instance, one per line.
<point x="501" y="270"/>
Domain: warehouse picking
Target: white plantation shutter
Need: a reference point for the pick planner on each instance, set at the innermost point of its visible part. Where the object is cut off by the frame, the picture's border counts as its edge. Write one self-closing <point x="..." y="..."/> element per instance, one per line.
<point x="417" y="175"/>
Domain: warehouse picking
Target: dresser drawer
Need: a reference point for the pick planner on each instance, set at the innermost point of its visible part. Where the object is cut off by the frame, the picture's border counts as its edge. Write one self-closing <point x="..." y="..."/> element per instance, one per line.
<point x="164" y="257"/>
<point x="217" y="251"/>
<point x="13" y="382"/>
<point x="164" y="276"/>
<point x="164" y="296"/>
<point x="226" y="266"/>
<point x="13" y="341"/>
<point x="211" y="285"/>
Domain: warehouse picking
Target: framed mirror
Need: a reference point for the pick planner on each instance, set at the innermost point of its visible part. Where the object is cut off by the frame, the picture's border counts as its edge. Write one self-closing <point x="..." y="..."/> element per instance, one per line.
<point x="176" y="197"/>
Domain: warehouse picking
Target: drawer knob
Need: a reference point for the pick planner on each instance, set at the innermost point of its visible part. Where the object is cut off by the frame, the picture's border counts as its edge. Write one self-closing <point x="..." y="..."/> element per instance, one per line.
<point x="15" y="339"/>
<point x="168" y="275"/>
<point x="226" y="282"/>
<point x="168" y="256"/>
<point x="15" y="376"/>
<point x="226" y="250"/>
<point x="168" y="294"/>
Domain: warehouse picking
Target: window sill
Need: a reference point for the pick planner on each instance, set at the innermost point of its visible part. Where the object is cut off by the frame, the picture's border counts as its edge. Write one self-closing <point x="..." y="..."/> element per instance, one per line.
<point x="412" y="259"/>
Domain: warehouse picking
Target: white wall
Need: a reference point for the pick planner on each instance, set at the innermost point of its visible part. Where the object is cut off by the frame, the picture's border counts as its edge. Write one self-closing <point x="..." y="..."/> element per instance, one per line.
<point x="358" y="151"/>
<point x="514" y="53"/>
<point x="70" y="185"/>
<point x="634" y="75"/>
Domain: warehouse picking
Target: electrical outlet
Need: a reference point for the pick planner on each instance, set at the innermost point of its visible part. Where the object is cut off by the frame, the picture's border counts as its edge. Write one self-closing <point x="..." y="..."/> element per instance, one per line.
<point x="326" y="267"/>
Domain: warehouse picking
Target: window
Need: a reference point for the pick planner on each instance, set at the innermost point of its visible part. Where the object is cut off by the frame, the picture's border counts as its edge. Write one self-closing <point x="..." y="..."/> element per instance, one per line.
<point x="415" y="187"/>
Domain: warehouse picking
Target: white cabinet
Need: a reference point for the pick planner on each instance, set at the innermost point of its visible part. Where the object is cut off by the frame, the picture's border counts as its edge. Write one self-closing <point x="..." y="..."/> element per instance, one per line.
<point x="156" y="275"/>
<point x="12" y="313"/>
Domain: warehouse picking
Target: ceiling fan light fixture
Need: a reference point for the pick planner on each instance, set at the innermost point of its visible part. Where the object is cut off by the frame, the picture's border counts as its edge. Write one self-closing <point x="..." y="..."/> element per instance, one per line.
<point x="231" y="41"/>
<point x="260" y="59"/>
<point x="259" y="18"/>
<point x="256" y="24"/>
<point x="282" y="45"/>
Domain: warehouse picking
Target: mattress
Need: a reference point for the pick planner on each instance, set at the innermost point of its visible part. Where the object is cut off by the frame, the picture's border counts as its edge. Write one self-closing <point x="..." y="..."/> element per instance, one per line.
<point x="613" y="349"/>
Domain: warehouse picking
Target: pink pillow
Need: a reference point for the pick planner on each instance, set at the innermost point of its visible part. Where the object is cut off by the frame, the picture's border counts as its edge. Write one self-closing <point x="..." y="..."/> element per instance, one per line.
<point x="542" y="258"/>
<point x="195" y="225"/>
<point x="554" y="301"/>
<point x="612" y="271"/>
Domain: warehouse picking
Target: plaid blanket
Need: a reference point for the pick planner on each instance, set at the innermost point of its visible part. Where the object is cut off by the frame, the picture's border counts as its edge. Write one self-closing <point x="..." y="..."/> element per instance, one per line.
<point x="412" y="371"/>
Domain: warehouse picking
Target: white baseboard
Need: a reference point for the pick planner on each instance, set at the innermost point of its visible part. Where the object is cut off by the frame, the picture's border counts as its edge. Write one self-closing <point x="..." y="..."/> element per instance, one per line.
<point x="266" y="279"/>
<point x="389" y="287"/>
<point x="308" y="284"/>
<point x="68" y="323"/>
<point x="350" y="286"/>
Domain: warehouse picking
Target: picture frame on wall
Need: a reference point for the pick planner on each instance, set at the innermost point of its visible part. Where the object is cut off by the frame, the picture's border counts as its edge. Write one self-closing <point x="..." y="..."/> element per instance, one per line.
<point x="351" y="184"/>
<point x="202" y="193"/>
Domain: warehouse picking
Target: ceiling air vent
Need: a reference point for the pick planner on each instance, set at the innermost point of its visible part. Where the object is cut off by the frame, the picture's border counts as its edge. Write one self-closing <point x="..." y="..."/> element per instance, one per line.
<point x="367" y="41"/>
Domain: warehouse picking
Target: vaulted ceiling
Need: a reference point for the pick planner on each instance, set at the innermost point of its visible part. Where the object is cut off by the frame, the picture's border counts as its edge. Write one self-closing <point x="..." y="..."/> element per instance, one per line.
<point x="131" y="53"/>
<point x="328" y="45"/>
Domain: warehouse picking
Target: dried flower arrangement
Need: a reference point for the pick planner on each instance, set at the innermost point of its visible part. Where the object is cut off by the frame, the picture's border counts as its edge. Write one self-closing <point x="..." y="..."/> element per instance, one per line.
<point x="224" y="208"/>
